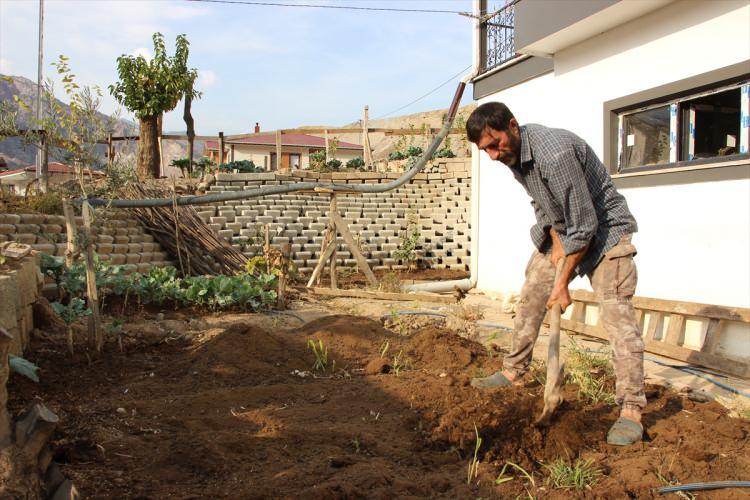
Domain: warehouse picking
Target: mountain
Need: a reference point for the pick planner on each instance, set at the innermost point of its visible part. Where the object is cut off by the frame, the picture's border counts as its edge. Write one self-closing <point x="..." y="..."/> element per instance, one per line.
<point x="17" y="154"/>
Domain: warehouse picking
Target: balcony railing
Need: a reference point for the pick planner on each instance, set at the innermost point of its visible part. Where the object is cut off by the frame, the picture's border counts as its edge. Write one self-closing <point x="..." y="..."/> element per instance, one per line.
<point x="498" y="40"/>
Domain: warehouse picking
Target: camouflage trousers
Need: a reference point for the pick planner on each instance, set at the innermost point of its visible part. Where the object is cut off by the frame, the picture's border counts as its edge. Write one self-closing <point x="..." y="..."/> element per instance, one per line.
<point x="613" y="280"/>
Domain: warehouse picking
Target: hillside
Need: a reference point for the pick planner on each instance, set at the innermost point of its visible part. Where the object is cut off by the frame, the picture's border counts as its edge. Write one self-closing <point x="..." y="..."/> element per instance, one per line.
<point x="17" y="154"/>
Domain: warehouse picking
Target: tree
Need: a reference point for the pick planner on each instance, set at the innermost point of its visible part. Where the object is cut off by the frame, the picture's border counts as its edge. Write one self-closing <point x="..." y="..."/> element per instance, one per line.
<point x="151" y="88"/>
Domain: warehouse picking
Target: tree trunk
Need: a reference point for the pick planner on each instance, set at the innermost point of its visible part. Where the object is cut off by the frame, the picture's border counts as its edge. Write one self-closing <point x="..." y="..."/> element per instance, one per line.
<point x="188" y="117"/>
<point x="148" y="148"/>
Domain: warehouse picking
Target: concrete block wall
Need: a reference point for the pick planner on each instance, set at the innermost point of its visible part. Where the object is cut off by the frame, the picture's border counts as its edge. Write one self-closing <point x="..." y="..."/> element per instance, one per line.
<point x="439" y="199"/>
<point x="20" y="284"/>
<point x="119" y="238"/>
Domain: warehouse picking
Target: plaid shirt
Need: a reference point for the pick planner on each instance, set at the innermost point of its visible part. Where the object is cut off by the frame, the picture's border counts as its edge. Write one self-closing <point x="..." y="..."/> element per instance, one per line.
<point x="572" y="192"/>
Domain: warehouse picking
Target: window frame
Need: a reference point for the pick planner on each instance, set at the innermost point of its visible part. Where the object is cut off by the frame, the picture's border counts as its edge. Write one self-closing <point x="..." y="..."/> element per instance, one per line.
<point x="690" y="88"/>
<point x="677" y="128"/>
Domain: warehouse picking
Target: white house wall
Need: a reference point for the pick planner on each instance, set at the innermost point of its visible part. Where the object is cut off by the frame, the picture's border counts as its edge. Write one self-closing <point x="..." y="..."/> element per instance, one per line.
<point x="261" y="154"/>
<point x="694" y="239"/>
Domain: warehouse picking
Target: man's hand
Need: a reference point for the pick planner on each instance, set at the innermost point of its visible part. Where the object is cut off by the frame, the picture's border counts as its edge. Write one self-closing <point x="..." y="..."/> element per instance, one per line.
<point x="560" y="295"/>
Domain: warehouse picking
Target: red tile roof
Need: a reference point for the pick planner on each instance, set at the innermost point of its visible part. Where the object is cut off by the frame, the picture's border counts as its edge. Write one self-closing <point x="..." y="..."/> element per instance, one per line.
<point x="54" y="168"/>
<point x="302" y="140"/>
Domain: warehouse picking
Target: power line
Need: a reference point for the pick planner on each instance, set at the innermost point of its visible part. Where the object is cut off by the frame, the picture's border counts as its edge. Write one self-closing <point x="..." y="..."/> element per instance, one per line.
<point x="339" y="7"/>
<point x="427" y="94"/>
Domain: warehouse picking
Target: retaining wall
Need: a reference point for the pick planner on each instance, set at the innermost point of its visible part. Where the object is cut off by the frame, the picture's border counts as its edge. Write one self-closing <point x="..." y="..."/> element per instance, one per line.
<point x="20" y="283"/>
<point x="118" y="237"/>
<point x="439" y="199"/>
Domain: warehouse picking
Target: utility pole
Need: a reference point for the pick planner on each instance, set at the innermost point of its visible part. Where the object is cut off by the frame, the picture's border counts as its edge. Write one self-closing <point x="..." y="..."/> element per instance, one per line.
<point x="42" y="171"/>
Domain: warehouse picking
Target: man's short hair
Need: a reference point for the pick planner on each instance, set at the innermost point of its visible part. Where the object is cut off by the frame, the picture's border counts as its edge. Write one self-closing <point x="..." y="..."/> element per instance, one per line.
<point x="494" y="115"/>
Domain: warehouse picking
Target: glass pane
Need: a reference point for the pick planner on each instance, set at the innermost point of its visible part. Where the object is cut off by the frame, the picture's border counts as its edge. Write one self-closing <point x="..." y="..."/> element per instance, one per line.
<point x="711" y="126"/>
<point x="646" y="138"/>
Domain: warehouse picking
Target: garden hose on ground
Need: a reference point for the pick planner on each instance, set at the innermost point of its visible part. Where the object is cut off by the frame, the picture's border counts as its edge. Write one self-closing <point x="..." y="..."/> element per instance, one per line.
<point x="704" y="486"/>
<point x="298" y="186"/>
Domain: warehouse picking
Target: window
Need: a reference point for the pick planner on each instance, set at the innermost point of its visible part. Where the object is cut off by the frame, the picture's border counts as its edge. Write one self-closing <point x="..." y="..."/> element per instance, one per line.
<point x="694" y="127"/>
<point x="295" y="160"/>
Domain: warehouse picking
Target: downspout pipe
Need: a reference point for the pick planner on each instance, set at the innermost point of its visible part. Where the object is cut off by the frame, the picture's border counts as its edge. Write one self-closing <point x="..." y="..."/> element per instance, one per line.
<point x="470" y="282"/>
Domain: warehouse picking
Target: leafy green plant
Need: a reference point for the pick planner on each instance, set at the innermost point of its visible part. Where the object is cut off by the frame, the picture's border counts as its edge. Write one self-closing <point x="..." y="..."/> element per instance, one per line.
<point x="242" y="167"/>
<point x="356" y="163"/>
<point x="592" y="373"/>
<point x="577" y="475"/>
<point x="474" y="462"/>
<point x="413" y="151"/>
<point x="321" y="354"/>
<point x="184" y="164"/>
<point x="397" y="155"/>
<point x="70" y="313"/>
<point x="114" y="328"/>
<point x="410" y="242"/>
<point x="399" y="363"/>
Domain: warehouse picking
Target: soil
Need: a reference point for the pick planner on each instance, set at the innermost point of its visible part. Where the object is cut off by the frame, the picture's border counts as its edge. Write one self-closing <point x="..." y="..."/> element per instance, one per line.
<point x="206" y="406"/>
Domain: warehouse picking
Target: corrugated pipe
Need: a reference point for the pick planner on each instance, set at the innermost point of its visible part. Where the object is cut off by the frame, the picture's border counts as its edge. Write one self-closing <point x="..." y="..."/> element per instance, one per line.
<point x="470" y="282"/>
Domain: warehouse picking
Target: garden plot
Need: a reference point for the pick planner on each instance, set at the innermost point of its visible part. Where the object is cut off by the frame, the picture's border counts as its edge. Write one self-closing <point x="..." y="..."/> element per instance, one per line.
<point x="231" y="406"/>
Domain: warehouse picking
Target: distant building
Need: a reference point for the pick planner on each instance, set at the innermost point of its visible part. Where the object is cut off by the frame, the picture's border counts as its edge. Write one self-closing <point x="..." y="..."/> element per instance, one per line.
<point x="16" y="181"/>
<point x="295" y="150"/>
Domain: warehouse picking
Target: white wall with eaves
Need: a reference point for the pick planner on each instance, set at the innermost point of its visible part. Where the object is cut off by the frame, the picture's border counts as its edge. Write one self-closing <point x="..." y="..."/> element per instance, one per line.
<point x="694" y="238"/>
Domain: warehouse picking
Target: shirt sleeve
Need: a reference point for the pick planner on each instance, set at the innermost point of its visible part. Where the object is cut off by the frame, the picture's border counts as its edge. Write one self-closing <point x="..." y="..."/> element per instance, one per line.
<point x="540" y="230"/>
<point x="567" y="184"/>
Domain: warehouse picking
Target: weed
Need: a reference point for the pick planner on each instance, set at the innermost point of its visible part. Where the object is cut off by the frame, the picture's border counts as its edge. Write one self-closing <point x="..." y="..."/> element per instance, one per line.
<point x="356" y="444"/>
<point x="502" y="478"/>
<point x="384" y="348"/>
<point x="114" y="328"/>
<point x="321" y="355"/>
<point x="474" y="463"/>
<point x="591" y="372"/>
<point x="390" y="282"/>
<point x="398" y="363"/>
<point x="578" y="475"/>
<point x="682" y="494"/>
<point x="410" y="242"/>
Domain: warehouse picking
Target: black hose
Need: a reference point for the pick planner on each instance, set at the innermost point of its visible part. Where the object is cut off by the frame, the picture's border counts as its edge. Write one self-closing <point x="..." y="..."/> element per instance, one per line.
<point x="704" y="486"/>
<point x="298" y="186"/>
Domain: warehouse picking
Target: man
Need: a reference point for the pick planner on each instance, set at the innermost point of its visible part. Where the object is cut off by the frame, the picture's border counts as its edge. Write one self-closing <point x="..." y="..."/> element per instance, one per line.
<point x="582" y="219"/>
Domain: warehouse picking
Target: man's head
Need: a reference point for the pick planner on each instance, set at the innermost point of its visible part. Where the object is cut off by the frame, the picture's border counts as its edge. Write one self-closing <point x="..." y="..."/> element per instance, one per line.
<point x="494" y="129"/>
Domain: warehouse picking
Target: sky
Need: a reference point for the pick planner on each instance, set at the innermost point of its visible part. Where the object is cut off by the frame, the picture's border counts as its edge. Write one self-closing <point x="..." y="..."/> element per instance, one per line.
<point x="280" y="66"/>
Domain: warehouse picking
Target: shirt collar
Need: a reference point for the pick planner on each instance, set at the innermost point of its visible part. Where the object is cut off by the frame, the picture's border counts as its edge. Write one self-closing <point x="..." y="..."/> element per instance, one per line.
<point x="526" y="156"/>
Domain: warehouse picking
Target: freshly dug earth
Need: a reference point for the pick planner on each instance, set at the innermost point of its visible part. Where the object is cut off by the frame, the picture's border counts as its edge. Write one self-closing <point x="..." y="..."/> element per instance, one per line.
<point x="237" y="412"/>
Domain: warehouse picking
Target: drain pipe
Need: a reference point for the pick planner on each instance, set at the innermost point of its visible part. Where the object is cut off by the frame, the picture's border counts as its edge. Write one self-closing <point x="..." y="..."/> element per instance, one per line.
<point x="470" y="282"/>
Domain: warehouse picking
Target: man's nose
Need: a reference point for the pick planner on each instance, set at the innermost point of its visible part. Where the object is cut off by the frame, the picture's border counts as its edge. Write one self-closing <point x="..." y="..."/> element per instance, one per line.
<point x="494" y="154"/>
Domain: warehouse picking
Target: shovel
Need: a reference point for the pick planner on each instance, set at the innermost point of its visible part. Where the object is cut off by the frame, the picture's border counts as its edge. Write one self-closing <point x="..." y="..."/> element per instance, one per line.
<point x="553" y="386"/>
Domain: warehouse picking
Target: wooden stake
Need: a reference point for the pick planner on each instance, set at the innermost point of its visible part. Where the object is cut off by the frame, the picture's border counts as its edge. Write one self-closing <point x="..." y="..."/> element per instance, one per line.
<point x="278" y="150"/>
<point x="343" y="228"/>
<point x="286" y="252"/>
<point x="70" y="230"/>
<point x="95" y="323"/>
<point x="221" y="148"/>
<point x="110" y="150"/>
<point x="334" y="209"/>
<point x="326" y="139"/>
<point x="366" y="139"/>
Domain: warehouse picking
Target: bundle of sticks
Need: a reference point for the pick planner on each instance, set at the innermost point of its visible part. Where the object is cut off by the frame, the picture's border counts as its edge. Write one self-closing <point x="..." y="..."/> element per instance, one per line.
<point x="191" y="242"/>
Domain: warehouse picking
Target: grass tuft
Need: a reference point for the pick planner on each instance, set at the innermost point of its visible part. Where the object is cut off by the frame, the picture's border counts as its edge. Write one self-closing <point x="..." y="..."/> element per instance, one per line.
<point x="591" y="372"/>
<point x="321" y="355"/>
<point x="576" y="475"/>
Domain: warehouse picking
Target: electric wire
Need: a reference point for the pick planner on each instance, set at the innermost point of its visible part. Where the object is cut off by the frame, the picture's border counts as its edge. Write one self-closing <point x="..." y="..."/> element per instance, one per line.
<point x="425" y="95"/>
<point x="337" y="7"/>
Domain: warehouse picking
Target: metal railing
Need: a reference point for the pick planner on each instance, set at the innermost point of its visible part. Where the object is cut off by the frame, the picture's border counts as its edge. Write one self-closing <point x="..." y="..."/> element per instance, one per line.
<point x="498" y="38"/>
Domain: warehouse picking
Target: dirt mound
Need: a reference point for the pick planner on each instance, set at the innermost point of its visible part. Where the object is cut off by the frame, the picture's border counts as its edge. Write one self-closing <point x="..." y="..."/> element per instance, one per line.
<point x="226" y="418"/>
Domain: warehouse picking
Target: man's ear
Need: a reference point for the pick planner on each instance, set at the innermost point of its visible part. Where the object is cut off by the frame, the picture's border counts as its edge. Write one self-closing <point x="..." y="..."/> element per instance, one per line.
<point x="513" y="124"/>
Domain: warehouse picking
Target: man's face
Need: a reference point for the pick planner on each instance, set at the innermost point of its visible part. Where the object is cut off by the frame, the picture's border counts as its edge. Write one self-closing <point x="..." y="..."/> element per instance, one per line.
<point x="504" y="146"/>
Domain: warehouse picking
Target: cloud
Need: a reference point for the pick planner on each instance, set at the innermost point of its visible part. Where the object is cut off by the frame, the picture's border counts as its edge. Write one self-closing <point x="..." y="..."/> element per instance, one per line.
<point x="6" y="67"/>
<point x="206" y="78"/>
<point x="142" y="52"/>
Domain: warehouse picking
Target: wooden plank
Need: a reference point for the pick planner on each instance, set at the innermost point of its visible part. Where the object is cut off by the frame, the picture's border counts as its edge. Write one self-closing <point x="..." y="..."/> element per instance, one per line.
<point x="713" y="335"/>
<point x="741" y="314"/>
<point x="70" y="233"/>
<point x="709" y="360"/>
<point x="675" y="328"/>
<point x="363" y="294"/>
<point x="343" y="130"/>
<point x="654" y="322"/>
<point x="343" y="228"/>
